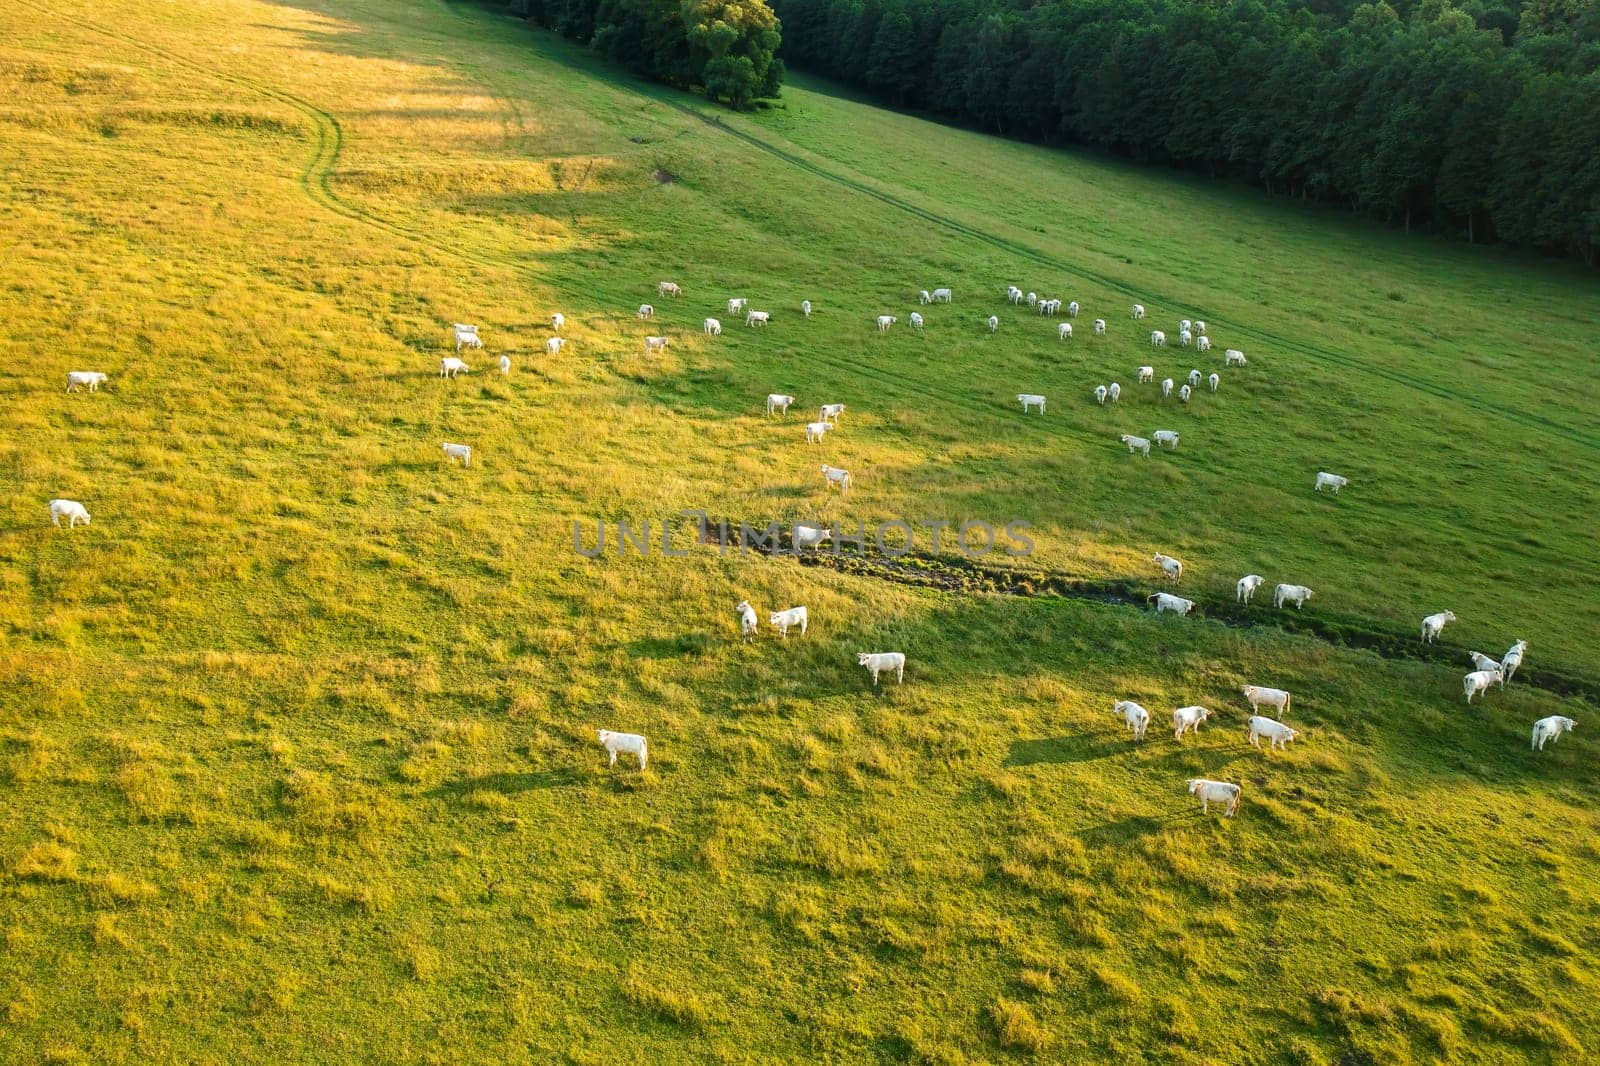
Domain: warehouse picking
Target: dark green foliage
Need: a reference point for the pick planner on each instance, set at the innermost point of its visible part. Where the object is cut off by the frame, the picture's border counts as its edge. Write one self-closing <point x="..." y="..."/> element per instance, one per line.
<point x="1480" y="120"/>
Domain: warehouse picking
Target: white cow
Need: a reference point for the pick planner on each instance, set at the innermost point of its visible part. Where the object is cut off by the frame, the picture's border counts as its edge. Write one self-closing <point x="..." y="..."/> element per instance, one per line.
<point x="713" y="327"/>
<point x="1136" y="444"/>
<point x="1481" y="661"/>
<point x="655" y="344"/>
<point x="810" y="536"/>
<point x="782" y="620"/>
<point x="815" y="430"/>
<point x="1209" y="792"/>
<point x="885" y="321"/>
<point x="1100" y="327"/>
<point x="1262" y="696"/>
<point x="1199" y="327"/>
<point x="1295" y="594"/>
<point x="71" y="510"/>
<point x="1184" y="394"/>
<point x="882" y="662"/>
<point x="777" y="401"/>
<point x="1234" y="357"/>
<point x="1064" y="331"/>
<point x="1183" y="325"/>
<point x="1434" y="624"/>
<point x="1114" y="391"/>
<point x="1030" y="399"/>
<point x="467" y="335"/>
<point x="1072" y="309"/>
<point x="1332" y="481"/>
<point x="1146" y="373"/>
<point x="1185" y="338"/>
<point x="994" y="323"/>
<point x="1246" y="589"/>
<point x="646" y="311"/>
<point x="1165" y="601"/>
<point x="832" y="475"/>
<point x="1138" y="310"/>
<point x="1278" y="735"/>
<point x="748" y="622"/>
<point x="553" y="345"/>
<point x="450" y="366"/>
<point x="757" y="318"/>
<point x="557" y="320"/>
<point x="505" y="365"/>
<point x="1033" y="298"/>
<point x="736" y="305"/>
<point x="1168" y="437"/>
<point x="1013" y="294"/>
<point x="916" y="321"/>
<point x="1194" y="377"/>
<point x="942" y="296"/>
<point x="1202" y="344"/>
<point x="1100" y="394"/>
<point x="453" y="452"/>
<point x="1513" y="658"/>
<point x="1171" y="567"/>
<point x="629" y="743"/>
<point x="1187" y="720"/>
<point x="1551" y="729"/>
<point x="1134" y="716"/>
<point x="667" y="288"/>
<point x="1479" y="681"/>
<point x="805" y="308"/>
<point x="1166" y="388"/>
<point x="830" y="412"/>
<point x="925" y="297"/>
<point x="78" y="378"/>
<point x="1214" y="380"/>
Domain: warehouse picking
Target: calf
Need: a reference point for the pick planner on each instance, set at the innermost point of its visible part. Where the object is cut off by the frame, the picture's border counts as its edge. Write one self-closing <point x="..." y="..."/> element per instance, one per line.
<point x="1479" y="681"/>
<point x="78" y="378"/>
<point x="1261" y="696"/>
<point x="1165" y="601"/>
<point x="553" y="345"/>
<point x="815" y="430"/>
<point x="1168" y="437"/>
<point x="450" y="366"/>
<point x="882" y="662"/>
<point x="1295" y="594"/>
<point x="1138" y="311"/>
<point x="1209" y="792"/>
<point x="1147" y="373"/>
<point x="994" y="323"/>
<point x="1214" y="380"/>
<point x="71" y="510"/>
<point x="1332" y="481"/>
<point x="1169" y="566"/>
<point x="646" y="311"/>
<point x="1136" y="444"/>
<point x="782" y="620"/>
<point x="830" y="412"/>
<point x="1278" y="735"/>
<point x="736" y="305"/>
<point x="1513" y="658"/>
<point x="885" y="321"/>
<point x="1247" y="586"/>
<point x="757" y="318"/>
<point x="1029" y="399"/>
<point x="655" y="344"/>
<point x="748" y="622"/>
<point x="458" y="451"/>
<point x="1099" y="327"/>
<point x="1551" y="729"/>
<point x="777" y="401"/>
<point x="1134" y="716"/>
<point x="1187" y="720"/>
<point x="713" y="327"/>
<point x="1434" y="624"/>
<point x="1233" y="357"/>
<point x="832" y="475"/>
<point x="630" y="743"/>
<point x="667" y="288"/>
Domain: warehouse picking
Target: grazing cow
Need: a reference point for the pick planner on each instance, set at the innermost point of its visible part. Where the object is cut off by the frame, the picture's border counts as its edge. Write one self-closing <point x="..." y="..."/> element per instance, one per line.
<point x="1136" y="444"/>
<point x="1187" y="720"/>
<point x="1194" y="377"/>
<point x="805" y="308"/>
<point x="1168" y="437"/>
<point x="667" y="288"/>
<point x="1100" y="327"/>
<point x="925" y="297"/>
<point x="71" y="510"/>
<point x="1332" y="481"/>
<point x="1479" y="681"/>
<point x="1184" y="394"/>
<point x="553" y="345"/>
<point x="1114" y="391"/>
<point x="748" y="622"/>
<point x="452" y="452"/>
<point x="1295" y="594"/>
<point x="777" y="401"/>
<point x="1166" y="388"/>
<point x="1138" y="310"/>
<point x="1072" y="309"/>
<point x="1033" y="298"/>
<point x="994" y="323"/>
<point x="1013" y="294"/>
<point x="782" y="620"/>
<point x="1183" y="325"/>
<point x="1169" y="566"/>
<point x="1262" y="696"/>
<point x="736" y="305"/>
<point x="1513" y="658"/>
<point x="646" y="311"/>
<point x="1551" y="729"/>
<point x="1209" y="792"/>
<point x="655" y="344"/>
<point x="78" y="378"/>
<point x="1214" y="380"/>
<point x="1030" y="399"/>
<point x="467" y="335"/>
<point x="832" y="475"/>
<point x="810" y="536"/>
<point x="713" y="327"/>
<point x="916" y="321"/>
<point x="505" y="365"/>
<point x="882" y="662"/>
<point x="757" y="318"/>
<point x="815" y="430"/>
<point x="1165" y="601"/>
<point x="1199" y="328"/>
<point x="1064" y="331"/>
<point x="1481" y="661"/>
<point x="1278" y="735"/>
<point x="1146" y="373"/>
<point x="942" y="296"/>
<point x="450" y="366"/>
<point x="1134" y="716"/>
<point x="557" y="320"/>
<point x="1246" y="589"/>
<point x="885" y="321"/>
<point x="629" y="743"/>
<point x="1234" y="357"/>
<point x="1185" y="338"/>
<point x="1202" y="344"/>
<point x="1100" y="394"/>
<point x="830" y="412"/>
<point x="1434" y="624"/>
<point x="1049" y="307"/>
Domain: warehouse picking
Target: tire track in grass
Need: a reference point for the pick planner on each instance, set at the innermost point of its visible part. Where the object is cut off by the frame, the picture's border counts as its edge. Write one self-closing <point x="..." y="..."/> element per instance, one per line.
<point x="1270" y="339"/>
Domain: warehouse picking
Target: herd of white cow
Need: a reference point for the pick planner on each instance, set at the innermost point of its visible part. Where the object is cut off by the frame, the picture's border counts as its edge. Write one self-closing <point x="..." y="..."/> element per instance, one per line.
<point x="1486" y="671"/>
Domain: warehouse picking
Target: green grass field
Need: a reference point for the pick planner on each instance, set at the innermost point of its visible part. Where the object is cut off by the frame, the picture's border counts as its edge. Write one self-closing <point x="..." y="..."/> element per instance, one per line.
<point x="297" y="756"/>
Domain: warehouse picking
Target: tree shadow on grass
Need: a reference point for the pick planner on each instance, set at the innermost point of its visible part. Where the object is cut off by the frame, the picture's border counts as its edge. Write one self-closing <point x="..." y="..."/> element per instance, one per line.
<point x="1083" y="747"/>
<point x="1126" y="830"/>
<point x="508" y="784"/>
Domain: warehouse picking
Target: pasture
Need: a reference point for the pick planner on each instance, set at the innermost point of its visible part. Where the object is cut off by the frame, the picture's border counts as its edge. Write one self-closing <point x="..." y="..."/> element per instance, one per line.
<point x="297" y="738"/>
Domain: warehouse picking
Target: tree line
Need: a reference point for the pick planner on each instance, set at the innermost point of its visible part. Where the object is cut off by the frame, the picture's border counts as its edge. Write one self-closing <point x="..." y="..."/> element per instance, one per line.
<point x="1481" y="120"/>
<point x="726" y="47"/>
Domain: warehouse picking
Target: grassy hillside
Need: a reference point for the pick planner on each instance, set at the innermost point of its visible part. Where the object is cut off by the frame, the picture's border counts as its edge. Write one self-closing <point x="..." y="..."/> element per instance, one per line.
<point x="296" y="739"/>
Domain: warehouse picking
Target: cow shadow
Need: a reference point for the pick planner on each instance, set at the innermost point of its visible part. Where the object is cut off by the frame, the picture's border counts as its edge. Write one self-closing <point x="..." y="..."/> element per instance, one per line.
<point x="1075" y="748"/>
